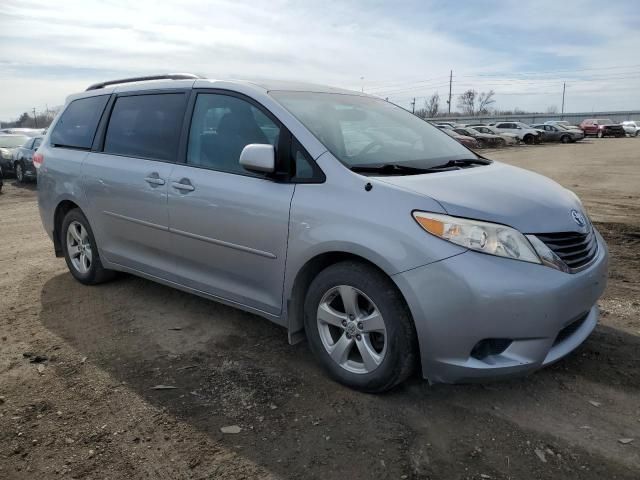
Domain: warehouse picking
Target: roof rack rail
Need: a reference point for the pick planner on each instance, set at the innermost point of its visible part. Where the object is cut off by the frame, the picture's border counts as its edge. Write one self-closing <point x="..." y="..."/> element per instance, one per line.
<point x="165" y="76"/>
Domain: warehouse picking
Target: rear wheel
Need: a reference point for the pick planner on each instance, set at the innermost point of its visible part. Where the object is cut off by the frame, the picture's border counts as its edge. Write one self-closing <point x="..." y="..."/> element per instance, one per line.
<point x="19" y="168"/>
<point x="359" y="327"/>
<point x="80" y="250"/>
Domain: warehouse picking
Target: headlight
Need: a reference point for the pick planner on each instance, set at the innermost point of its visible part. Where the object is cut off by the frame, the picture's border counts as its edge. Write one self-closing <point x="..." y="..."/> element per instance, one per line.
<point x="484" y="237"/>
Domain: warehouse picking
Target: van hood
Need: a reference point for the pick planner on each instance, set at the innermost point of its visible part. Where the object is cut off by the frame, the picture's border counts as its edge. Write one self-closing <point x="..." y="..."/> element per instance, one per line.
<point x="499" y="193"/>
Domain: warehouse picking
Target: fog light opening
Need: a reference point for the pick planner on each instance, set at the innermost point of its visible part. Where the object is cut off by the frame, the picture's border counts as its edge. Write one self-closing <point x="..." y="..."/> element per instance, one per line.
<point x="490" y="346"/>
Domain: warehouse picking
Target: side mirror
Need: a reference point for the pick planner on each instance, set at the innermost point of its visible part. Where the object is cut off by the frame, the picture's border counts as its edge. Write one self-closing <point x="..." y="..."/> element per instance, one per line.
<point x="257" y="157"/>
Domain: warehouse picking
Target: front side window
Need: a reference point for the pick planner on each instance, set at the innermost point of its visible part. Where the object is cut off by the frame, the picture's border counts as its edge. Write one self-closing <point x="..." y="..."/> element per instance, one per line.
<point x="361" y="130"/>
<point x="77" y="125"/>
<point x="146" y="126"/>
<point x="222" y="125"/>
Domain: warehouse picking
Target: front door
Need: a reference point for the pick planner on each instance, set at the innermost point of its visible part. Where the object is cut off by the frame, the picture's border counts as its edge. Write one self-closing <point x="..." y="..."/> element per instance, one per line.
<point x="229" y="227"/>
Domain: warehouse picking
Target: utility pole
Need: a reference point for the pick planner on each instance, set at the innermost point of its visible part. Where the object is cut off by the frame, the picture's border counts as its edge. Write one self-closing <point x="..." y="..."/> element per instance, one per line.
<point x="450" y="82"/>
<point x="564" y="87"/>
<point x="413" y="105"/>
<point x="35" y="120"/>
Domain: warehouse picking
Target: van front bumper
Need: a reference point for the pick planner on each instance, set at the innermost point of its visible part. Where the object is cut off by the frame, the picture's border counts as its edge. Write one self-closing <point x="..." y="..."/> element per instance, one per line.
<point x="481" y="317"/>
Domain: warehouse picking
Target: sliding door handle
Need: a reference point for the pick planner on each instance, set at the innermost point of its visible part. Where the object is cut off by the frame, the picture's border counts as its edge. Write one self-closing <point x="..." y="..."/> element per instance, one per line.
<point x="154" y="180"/>
<point x="183" y="185"/>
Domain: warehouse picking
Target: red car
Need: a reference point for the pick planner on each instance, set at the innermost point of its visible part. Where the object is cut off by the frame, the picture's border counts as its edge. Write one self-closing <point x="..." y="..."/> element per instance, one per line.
<point x="601" y="127"/>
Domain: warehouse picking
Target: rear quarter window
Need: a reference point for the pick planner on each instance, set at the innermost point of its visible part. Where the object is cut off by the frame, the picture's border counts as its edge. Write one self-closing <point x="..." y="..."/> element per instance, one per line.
<point x="77" y="125"/>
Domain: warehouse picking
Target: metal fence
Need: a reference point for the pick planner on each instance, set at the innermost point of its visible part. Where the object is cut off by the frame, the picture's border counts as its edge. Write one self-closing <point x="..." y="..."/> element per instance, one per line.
<point x="530" y="118"/>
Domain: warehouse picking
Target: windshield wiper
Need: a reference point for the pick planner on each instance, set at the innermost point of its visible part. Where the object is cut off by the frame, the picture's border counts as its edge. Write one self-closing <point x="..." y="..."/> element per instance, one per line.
<point x="389" y="169"/>
<point x="461" y="163"/>
<point x="399" y="169"/>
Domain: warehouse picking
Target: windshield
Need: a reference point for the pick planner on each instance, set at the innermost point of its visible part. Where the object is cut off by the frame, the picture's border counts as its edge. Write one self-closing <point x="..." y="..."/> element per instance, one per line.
<point x="604" y="121"/>
<point x="361" y="130"/>
<point x="12" y="141"/>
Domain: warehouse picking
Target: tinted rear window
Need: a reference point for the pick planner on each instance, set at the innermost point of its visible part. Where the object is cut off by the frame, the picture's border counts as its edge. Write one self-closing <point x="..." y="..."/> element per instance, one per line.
<point x="77" y="125"/>
<point x="146" y="126"/>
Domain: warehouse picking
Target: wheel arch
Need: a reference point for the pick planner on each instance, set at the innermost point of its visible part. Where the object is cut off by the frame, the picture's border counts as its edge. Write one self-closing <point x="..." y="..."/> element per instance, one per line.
<point x="63" y="207"/>
<point x="305" y="275"/>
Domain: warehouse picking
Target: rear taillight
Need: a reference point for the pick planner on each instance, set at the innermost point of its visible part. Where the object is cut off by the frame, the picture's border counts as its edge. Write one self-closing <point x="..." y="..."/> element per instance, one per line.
<point x="38" y="160"/>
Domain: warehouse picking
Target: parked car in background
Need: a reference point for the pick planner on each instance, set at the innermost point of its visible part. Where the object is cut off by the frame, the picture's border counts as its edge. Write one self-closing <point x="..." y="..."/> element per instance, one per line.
<point x="524" y="132"/>
<point x="465" y="140"/>
<point x="557" y="133"/>
<point x="23" y="160"/>
<point x="509" y="138"/>
<point x="563" y="123"/>
<point x="30" y="132"/>
<point x="8" y="144"/>
<point x="601" y="127"/>
<point x="631" y="127"/>
<point x="484" y="139"/>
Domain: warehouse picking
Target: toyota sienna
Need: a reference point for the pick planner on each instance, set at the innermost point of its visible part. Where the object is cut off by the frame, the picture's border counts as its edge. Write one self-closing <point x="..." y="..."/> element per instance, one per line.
<point x="343" y="218"/>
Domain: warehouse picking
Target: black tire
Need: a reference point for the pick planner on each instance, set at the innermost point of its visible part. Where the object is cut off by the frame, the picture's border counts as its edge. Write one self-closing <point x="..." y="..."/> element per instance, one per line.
<point x="481" y="143"/>
<point x="18" y="168"/>
<point x="401" y="354"/>
<point x="528" y="139"/>
<point x="565" y="139"/>
<point x="637" y="132"/>
<point x="96" y="273"/>
<point x="501" y="143"/>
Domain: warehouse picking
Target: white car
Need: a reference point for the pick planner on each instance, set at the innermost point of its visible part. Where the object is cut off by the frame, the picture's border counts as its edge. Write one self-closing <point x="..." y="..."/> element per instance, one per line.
<point x="510" y="138"/>
<point x="631" y="127"/>
<point x="522" y="130"/>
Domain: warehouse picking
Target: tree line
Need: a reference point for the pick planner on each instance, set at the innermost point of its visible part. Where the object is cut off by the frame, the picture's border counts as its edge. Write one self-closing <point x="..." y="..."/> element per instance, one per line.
<point x="471" y="103"/>
<point x="26" y="120"/>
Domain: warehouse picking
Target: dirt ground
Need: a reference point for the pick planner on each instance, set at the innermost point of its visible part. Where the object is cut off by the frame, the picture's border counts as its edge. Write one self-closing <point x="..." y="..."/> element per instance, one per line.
<point x="90" y="410"/>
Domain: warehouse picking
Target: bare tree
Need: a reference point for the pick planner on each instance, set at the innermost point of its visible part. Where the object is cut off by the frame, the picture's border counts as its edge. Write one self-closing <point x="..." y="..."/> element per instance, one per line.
<point x="484" y="100"/>
<point x="467" y="102"/>
<point x="432" y="106"/>
<point x="474" y="103"/>
<point x="552" y="109"/>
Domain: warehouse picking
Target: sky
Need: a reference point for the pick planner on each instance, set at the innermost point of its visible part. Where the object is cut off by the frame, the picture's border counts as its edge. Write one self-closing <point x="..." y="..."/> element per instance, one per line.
<point x="524" y="51"/>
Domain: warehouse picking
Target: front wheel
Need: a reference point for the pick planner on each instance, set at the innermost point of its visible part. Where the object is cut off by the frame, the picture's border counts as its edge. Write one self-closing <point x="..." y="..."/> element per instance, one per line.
<point x="637" y="132"/>
<point x="80" y="250"/>
<point x="359" y="327"/>
<point x="565" y="139"/>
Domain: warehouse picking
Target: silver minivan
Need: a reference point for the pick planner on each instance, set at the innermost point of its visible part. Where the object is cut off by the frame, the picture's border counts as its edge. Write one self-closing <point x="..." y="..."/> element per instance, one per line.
<point x="343" y="218"/>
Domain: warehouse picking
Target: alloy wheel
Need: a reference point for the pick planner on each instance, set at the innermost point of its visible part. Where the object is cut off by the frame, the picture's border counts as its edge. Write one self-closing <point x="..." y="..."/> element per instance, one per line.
<point x="79" y="247"/>
<point x="352" y="329"/>
<point x="19" y="173"/>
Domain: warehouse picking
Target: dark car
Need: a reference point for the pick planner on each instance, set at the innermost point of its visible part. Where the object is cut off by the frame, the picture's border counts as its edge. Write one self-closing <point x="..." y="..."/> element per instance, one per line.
<point x="1" y="182"/>
<point x="8" y="145"/>
<point x="557" y="133"/>
<point x="23" y="160"/>
<point x="483" y="139"/>
<point x="602" y="127"/>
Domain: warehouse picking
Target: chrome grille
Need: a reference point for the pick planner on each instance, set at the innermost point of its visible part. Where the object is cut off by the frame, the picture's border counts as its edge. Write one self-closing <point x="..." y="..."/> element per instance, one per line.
<point x="574" y="249"/>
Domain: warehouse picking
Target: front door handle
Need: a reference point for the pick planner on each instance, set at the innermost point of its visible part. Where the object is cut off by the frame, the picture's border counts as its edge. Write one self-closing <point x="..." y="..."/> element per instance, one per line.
<point x="184" y="185"/>
<point x="154" y="180"/>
